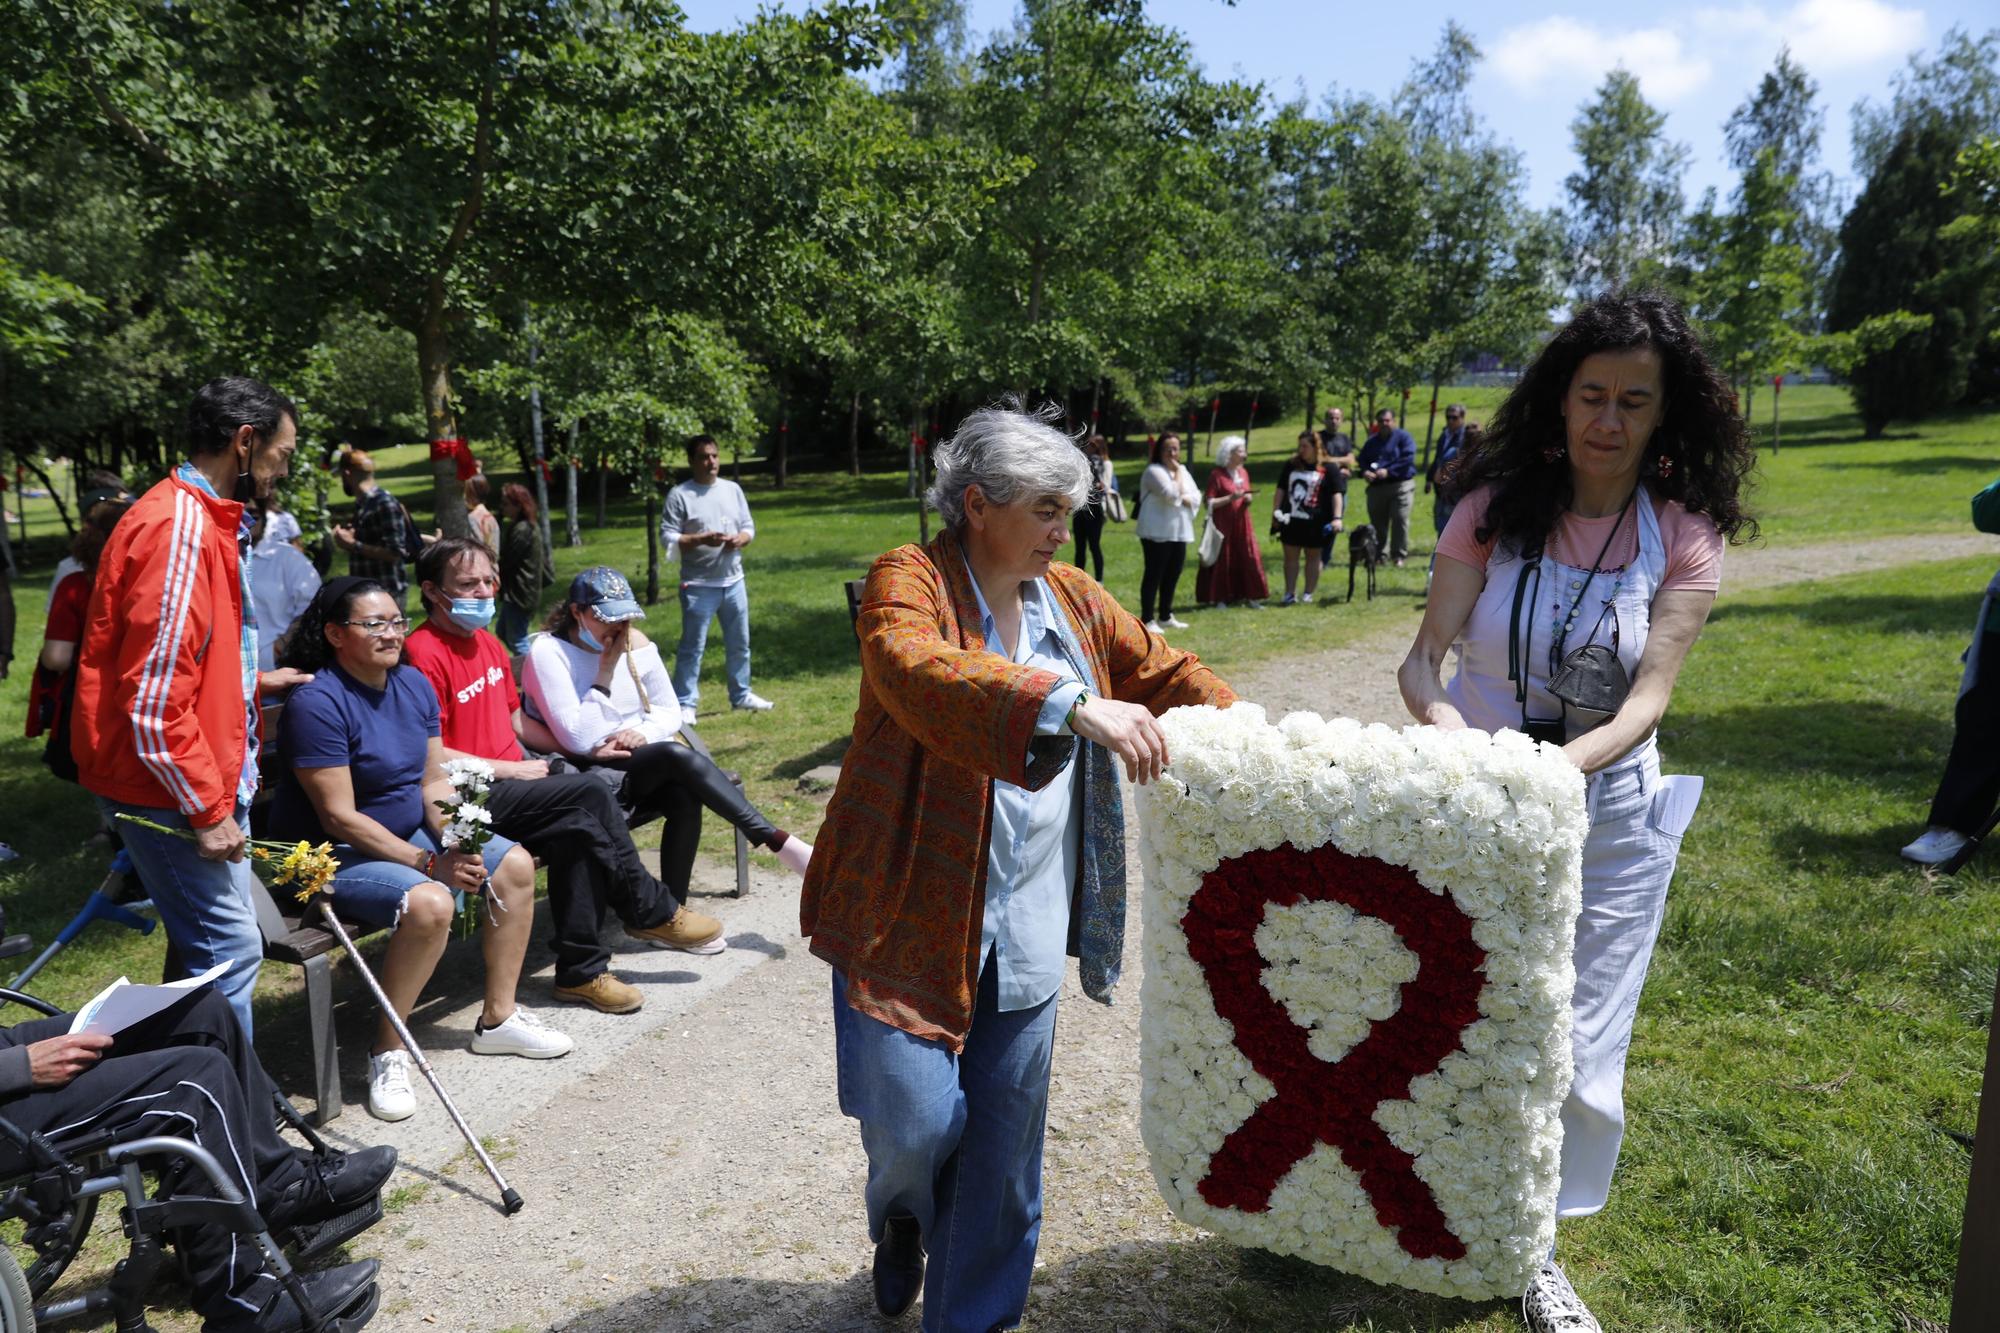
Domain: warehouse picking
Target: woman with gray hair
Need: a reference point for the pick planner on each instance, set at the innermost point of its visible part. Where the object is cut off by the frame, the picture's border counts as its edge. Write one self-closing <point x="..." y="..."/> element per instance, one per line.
<point x="974" y="839"/>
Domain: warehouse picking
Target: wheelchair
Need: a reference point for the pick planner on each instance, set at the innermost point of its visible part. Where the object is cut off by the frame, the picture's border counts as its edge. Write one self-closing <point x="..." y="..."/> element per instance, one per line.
<point x="51" y="1187"/>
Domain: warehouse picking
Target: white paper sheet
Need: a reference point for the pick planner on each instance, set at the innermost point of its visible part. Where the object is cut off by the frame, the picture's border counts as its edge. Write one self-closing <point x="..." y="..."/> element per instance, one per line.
<point x="1674" y="803"/>
<point x="121" y="1004"/>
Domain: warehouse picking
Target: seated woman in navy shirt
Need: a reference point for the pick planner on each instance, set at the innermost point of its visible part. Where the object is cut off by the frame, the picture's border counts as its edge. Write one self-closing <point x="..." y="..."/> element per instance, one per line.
<point x="364" y="769"/>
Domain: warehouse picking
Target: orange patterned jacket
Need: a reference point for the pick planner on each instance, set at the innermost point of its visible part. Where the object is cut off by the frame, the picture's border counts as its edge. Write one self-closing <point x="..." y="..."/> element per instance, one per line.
<point x="896" y="891"/>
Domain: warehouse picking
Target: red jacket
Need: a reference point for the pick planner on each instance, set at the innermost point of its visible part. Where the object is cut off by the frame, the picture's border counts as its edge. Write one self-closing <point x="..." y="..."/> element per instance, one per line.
<point x="160" y="718"/>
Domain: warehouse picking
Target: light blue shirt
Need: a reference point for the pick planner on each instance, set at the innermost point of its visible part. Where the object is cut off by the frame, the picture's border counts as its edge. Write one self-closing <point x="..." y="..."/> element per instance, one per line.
<point x="1031" y="864"/>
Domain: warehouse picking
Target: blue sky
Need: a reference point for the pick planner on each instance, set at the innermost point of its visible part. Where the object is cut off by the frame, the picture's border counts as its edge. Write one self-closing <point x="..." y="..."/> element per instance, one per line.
<point x="1695" y="62"/>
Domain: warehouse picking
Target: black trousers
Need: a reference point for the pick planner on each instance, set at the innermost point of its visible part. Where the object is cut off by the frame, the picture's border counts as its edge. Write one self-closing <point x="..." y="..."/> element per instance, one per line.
<point x="1088" y="525"/>
<point x="674" y="782"/>
<point x="1971" y="783"/>
<point x="187" y="1072"/>
<point x="1162" y="574"/>
<point x="573" y="822"/>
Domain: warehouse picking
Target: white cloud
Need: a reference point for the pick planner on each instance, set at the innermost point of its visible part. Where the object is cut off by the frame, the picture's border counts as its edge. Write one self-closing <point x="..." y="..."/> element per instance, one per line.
<point x="1564" y="58"/>
<point x="1833" y="36"/>
<point x="1560" y="56"/>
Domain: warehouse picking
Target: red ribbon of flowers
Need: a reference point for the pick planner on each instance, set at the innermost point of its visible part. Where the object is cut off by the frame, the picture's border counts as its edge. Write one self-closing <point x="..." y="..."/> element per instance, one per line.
<point x="459" y="452"/>
<point x="1317" y="1102"/>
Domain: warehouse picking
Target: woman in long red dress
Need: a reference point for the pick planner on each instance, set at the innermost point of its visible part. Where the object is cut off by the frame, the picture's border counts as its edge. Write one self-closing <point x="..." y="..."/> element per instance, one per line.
<point x="1238" y="573"/>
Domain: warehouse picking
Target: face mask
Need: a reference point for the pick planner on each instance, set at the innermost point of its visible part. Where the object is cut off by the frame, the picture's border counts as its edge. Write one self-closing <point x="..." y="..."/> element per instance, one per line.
<point x="587" y="639"/>
<point x="472" y="612"/>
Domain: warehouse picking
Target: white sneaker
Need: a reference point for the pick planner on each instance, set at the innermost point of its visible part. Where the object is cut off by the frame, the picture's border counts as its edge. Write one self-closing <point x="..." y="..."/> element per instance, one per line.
<point x="687" y="716"/>
<point x="1306" y="599"/>
<point x="754" y="703"/>
<point x="1937" y="846"/>
<point x="1174" y="622"/>
<point x="1551" y="1305"/>
<point x="523" y="1034"/>
<point x="389" y="1095"/>
<point x="1156" y="627"/>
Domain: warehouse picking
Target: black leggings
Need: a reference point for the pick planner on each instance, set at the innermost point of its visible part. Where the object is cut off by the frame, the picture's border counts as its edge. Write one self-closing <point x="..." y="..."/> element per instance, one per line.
<point x="1163" y="572"/>
<point x="1088" y="525"/>
<point x="673" y="781"/>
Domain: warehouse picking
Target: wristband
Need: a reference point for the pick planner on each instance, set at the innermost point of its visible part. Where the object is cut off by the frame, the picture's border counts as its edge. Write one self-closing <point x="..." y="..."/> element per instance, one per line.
<point x="1069" y="719"/>
<point x="430" y="864"/>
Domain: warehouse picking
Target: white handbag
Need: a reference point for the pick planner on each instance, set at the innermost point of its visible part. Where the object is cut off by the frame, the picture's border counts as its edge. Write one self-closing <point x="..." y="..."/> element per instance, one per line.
<point x="1211" y="536"/>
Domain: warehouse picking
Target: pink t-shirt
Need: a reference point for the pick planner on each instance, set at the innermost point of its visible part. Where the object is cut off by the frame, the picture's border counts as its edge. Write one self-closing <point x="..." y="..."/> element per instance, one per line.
<point x="1694" y="547"/>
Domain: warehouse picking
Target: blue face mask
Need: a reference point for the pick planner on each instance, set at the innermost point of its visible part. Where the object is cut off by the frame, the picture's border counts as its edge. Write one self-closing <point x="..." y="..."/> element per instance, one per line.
<point x="472" y="612"/>
<point x="587" y="639"/>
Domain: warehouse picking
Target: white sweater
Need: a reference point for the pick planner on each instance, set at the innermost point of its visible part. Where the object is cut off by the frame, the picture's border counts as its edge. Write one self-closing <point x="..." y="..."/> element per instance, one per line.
<point x="558" y="678"/>
<point x="1167" y="504"/>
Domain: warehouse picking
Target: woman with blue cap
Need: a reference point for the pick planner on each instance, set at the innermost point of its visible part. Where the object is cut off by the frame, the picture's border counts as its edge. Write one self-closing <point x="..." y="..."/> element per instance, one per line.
<point x="600" y="688"/>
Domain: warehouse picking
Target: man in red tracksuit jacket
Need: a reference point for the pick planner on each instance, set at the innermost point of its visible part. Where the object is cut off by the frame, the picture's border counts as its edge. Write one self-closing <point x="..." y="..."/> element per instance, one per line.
<point x="165" y="719"/>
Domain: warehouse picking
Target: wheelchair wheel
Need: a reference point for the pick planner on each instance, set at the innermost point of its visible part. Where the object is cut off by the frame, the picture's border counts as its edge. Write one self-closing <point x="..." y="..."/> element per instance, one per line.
<point x="17" y="1307"/>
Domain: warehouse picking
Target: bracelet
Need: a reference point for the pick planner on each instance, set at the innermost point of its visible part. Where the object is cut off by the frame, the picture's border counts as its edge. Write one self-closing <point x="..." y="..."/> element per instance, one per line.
<point x="430" y="863"/>
<point x="1069" y="719"/>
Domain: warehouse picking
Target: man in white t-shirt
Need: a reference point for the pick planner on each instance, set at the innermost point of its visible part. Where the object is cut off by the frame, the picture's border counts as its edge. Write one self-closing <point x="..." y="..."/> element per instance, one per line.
<point x="706" y="524"/>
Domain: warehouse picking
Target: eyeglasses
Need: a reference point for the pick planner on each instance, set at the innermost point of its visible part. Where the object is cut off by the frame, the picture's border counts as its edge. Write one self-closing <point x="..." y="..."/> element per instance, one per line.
<point x="381" y="629"/>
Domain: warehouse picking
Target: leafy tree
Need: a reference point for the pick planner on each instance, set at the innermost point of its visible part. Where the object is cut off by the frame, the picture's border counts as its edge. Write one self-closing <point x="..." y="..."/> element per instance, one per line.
<point x="1897" y="254"/>
<point x="1625" y="202"/>
<point x="1776" y="133"/>
<point x="1960" y="90"/>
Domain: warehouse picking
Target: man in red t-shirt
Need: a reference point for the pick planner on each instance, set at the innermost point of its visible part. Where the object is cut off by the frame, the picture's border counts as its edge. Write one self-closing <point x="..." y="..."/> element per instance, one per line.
<point x="571" y="821"/>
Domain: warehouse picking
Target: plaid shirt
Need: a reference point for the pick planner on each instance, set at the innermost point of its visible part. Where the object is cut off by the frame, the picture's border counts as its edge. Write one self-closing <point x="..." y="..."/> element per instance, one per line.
<point x="379" y="522"/>
<point x="246" y="784"/>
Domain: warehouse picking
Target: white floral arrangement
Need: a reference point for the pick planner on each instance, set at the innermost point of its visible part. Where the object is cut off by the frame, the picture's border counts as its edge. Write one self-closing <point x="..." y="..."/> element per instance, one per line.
<point x="1355" y="1040"/>
<point x="467" y="822"/>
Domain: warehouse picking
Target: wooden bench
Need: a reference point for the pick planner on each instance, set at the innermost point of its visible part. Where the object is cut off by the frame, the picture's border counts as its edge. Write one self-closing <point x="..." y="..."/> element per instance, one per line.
<point x="290" y="938"/>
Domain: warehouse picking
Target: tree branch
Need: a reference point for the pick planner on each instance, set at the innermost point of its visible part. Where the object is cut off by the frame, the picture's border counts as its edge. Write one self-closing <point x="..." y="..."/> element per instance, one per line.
<point x="482" y="145"/>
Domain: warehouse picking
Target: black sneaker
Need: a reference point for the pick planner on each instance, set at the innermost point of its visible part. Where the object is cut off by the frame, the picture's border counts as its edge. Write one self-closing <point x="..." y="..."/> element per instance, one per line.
<point x="330" y="1185"/>
<point x="348" y="1293"/>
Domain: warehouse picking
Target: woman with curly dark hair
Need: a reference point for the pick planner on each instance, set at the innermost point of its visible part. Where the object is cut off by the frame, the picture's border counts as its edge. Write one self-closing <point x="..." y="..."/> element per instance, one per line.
<point x="1574" y="575"/>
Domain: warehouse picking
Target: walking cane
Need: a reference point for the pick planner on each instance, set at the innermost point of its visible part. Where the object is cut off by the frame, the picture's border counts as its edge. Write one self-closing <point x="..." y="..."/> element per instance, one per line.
<point x="511" y="1201"/>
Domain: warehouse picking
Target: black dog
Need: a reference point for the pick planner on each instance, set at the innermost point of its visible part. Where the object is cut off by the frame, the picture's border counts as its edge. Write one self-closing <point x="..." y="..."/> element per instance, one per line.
<point x="1363" y="549"/>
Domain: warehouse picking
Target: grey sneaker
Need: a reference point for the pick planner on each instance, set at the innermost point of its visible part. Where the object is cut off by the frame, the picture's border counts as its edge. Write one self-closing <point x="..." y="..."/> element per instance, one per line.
<point x="1551" y="1305"/>
<point x="1935" y="847"/>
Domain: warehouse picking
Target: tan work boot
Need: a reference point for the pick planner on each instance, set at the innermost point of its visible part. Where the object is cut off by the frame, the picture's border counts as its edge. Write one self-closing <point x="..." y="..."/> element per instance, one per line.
<point x="689" y="931"/>
<point x="604" y="993"/>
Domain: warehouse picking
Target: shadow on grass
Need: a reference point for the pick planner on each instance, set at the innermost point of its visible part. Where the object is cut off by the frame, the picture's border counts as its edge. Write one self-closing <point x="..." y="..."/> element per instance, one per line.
<point x="1895" y="613"/>
<point x="796" y="640"/>
<point x="832" y="752"/>
<point x="1206" y="1284"/>
<point x="1929" y="464"/>
<point x="1865" y="740"/>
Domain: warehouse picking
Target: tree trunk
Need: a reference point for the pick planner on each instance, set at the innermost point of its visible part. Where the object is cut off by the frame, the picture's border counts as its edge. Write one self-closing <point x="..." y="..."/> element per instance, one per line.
<point x="646" y="488"/>
<point x="434" y="376"/>
<point x="541" y="453"/>
<point x="1430" y="427"/>
<point x="569" y="488"/>
<point x="1776" y="394"/>
<point x="1312" y="407"/>
<point x="55" y="495"/>
<point x="603" y="487"/>
<point x="781" y="461"/>
<point x="854" y="435"/>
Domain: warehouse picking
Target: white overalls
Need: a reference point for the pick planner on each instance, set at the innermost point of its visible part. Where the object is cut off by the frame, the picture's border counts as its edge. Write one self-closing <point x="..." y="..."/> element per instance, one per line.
<point x="1636" y="822"/>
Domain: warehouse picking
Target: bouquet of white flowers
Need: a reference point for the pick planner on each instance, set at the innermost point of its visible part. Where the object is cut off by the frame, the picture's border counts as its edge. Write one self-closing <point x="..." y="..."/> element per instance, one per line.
<point x="467" y="821"/>
<point x="1355" y="1038"/>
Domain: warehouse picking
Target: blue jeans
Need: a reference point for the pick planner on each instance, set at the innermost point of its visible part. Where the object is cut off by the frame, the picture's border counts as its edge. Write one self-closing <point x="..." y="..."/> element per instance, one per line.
<point x="512" y="628"/>
<point x="207" y="907"/>
<point x="374" y="892"/>
<point x="699" y="605"/>
<point x="955" y="1141"/>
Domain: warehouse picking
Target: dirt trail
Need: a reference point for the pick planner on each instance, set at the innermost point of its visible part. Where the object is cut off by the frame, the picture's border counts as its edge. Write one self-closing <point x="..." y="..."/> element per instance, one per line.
<point x="704" y="1179"/>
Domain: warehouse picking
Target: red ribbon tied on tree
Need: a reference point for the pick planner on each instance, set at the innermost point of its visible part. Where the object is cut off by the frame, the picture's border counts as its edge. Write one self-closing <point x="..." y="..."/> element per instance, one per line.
<point x="460" y="453"/>
<point x="1317" y="1102"/>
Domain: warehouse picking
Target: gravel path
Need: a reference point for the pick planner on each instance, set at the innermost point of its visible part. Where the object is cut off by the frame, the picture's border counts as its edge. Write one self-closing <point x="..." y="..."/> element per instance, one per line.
<point x="687" y="1168"/>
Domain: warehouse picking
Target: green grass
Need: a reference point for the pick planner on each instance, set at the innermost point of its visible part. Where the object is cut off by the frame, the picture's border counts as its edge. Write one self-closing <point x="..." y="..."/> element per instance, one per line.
<point x="1816" y="1016"/>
